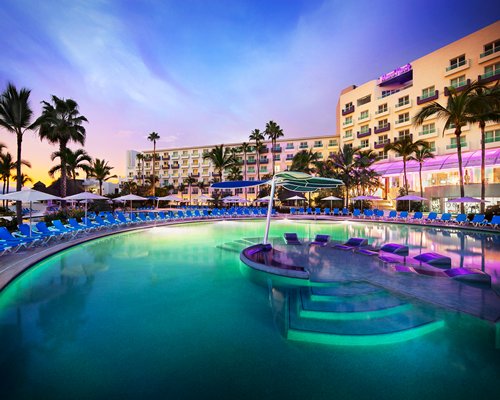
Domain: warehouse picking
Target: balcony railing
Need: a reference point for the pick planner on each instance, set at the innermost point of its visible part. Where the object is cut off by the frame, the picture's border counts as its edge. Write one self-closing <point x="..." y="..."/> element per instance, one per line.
<point x="364" y="117"/>
<point x="428" y="133"/>
<point x="264" y="150"/>
<point x="379" y="145"/>
<point x="303" y="146"/>
<point x="398" y="138"/>
<point x="251" y="162"/>
<point x="489" y="52"/>
<point x="348" y="137"/>
<point x="492" y="140"/>
<point x="276" y="149"/>
<point x="457" y="65"/>
<point x="348" y="123"/>
<point x="381" y="129"/>
<point x="454" y="145"/>
<point x="402" y="122"/>
<point x="174" y="166"/>
<point x="489" y="77"/>
<point x="263" y="161"/>
<point x="402" y="105"/>
<point x="463" y="86"/>
<point x="429" y="97"/>
<point x="364" y="134"/>
<point x="348" y="110"/>
<point x="382" y="112"/>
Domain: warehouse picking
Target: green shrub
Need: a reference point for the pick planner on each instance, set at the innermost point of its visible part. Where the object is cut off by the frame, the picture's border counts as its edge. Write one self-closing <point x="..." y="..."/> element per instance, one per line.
<point x="64" y="215"/>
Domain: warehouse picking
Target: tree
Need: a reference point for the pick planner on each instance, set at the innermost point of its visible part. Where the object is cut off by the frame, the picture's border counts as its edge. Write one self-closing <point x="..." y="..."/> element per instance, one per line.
<point x="189" y="180"/>
<point x="7" y="165"/>
<point x="129" y="187"/>
<point x="140" y="158"/>
<point x="484" y="107"/>
<point x="235" y="173"/>
<point x="74" y="161"/>
<point x="456" y="114"/>
<point x="304" y="161"/>
<point x="423" y="153"/>
<point x="221" y="158"/>
<point x="24" y="179"/>
<point x="153" y="137"/>
<point x="61" y="123"/>
<point x="245" y="148"/>
<point x="101" y="171"/>
<point x="258" y="138"/>
<point x="345" y="163"/>
<point x="273" y="132"/>
<point x="15" y="117"/>
<point x="404" y="147"/>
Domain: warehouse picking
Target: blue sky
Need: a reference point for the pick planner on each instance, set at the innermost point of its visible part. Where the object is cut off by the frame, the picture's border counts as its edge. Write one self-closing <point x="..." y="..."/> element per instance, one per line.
<point x="209" y="72"/>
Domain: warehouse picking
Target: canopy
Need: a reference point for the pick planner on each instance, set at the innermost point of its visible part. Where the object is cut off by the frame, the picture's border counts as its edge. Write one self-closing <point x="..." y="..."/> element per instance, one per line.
<point x="411" y="197"/>
<point x="204" y="197"/>
<point x="296" y="198"/>
<point x="467" y="200"/>
<point x="367" y="198"/>
<point x="331" y="198"/>
<point x="171" y="197"/>
<point x="129" y="197"/>
<point x="85" y="196"/>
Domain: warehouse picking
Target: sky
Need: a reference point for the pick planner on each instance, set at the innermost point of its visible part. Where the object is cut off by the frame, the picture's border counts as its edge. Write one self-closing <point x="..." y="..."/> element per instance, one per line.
<point x="210" y="71"/>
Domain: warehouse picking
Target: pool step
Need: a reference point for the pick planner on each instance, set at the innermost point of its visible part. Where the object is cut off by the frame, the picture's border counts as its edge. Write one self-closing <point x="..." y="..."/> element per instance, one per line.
<point x="237" y="246"/>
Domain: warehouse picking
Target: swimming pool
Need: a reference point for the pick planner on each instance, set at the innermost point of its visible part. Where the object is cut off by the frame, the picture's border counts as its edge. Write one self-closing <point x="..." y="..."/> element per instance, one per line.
<point x="168" y="312"/>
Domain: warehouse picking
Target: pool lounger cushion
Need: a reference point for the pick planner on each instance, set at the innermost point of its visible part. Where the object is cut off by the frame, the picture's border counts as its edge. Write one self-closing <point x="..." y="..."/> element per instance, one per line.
<point x="291" y="238"/>
<point x="368" y="252"/>
<point x="352" y="243"/>
<point x="320" y="240"/>
<point x="460" y="274"/>
<point x="395" y="248"/>
<point x="434" y="259"/>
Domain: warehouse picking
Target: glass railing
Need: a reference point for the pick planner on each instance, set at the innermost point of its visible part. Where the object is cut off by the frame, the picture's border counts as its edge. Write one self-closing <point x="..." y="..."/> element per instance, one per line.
<point x="381" y="111"/>
<point x="427" y="95"/>
<point x="492" y="139"/>
<point x="458" y="84"/>
<point x="427" y="132"/>
<point x="454" y="145"/>
<point x="491" y="73"/>
<point x="362" y="117"/>
<point x="454" y="66"/>
<point x="488" y="52"/>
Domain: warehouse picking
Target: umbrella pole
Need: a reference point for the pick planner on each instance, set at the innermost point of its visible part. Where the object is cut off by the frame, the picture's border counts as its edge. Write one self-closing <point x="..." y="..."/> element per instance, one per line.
<point x="269" y="210"/>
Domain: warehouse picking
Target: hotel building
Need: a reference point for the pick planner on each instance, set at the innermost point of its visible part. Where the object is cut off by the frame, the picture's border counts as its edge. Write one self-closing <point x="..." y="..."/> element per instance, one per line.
<point x="378" y="112"/>
<point x="381" y="111"/>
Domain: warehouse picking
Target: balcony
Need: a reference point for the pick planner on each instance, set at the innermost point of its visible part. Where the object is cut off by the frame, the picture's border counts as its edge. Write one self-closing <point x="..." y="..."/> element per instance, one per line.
<point x="463" y="86"/>
<point x="303" y="146"/>
<point x="276" y="149"/>
<point x="348" y="123"/>
<point x="451" y="130"/>
<point x="381" y="129"/>
<point x="428" y="133"/>
<point x="264" y="150"/>
<point x="347" y="111"/>
<point x="165" y="158"/>
<point x="426" y="99"/>
<point x="264" y="161"/>
<point x="360" y="135"/>
<point x="175" y="166"/>
<point x="489" y="77"/>
<point x="452" y="69"/>
<point x="403" y="105"/>
<point x="489" y="55"/>
<point x="380" y="145"/>
<point x="197" y="175"/>
<point x="175" y="157"/>
<point x="381" y="113"/>
<point x="185" y="155"/>
<point x="350" y="137"/>
<point x="290" y="148"/>
<point x="364" y="117"/>
<point x="397" y="139"/>
<point x="289" y="157"/>
<point x="205" y="173"/>
<point x="251" y="162"/>
<point x="402" y="122"/>
<point x="453" y="146"/>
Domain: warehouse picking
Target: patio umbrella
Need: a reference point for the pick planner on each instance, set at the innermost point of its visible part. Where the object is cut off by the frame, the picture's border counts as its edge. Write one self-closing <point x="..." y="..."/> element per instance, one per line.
<point x="171" y="197"/>
<point x="410" y="197"/>
<point x="235" y="199"/>
<point x="264" y="199"/>
<point x="366" y="198"/>
<point x="296" y="198"/>
<point x="131" y="198"/>
<point x="204" y="197"/>
<point x="29" y="196"/>
<point x="331" y="198"/>
<point x="86" y="197"/>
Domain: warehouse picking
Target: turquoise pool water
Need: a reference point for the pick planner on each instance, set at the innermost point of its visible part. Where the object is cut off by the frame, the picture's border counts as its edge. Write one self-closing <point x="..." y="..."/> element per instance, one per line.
<point x="171" y="312"/>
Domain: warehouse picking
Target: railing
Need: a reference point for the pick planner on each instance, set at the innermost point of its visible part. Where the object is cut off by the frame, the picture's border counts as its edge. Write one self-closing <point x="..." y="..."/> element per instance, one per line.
<point x="349" y="110"/>
<point x="263" y="161"/>
<point x="458" y="88"/>
<point x="251" y="162"/>
<point x="455" y="66"/>
<point x="488" y="52"/>
<point x="397" y="139"/>
<point x="489" y="76"/>
<point x="492" y="140"/>
<point x="454" y="145"/>
<point x="428" y="97"/>
<point x="428" y="132"/>
<point x="378" y="112"/>
<point x="363" y="117"/>
<point x="403" y="104"/>
<point x="379" y="145"/>
<point x="402" y="122"/>
<point x="364" y="134"/>
<point x="381" y="129"/>
<point x="348" y="123"/>
<point x="303" y="146"/>
<point x="276" y="150"/>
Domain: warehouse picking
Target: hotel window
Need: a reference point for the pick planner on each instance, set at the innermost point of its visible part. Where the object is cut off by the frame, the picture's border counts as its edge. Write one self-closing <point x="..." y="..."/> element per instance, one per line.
<point x="382" y="155"/>
<point x="332" y="142"/>
<point x="276" y="157"/>
<point x="363" y="115"/>
<point x="386" y="93"/>
<point x="383" y="123"/>
<point x="428" y="129"/>
<point x="428" y="92"/>
<point x="432" y="146"/>
<point x="318" y="143"/>
<point x="364" y="144"/>
<point x="491" y="48"/>
<point x="185" y="153"/>
<point x="364" y="100"/>
<point x="458" y="81"/>
<point x="364" y="129"/>
<point x="457" y="62"/>
<point x="175" y="154"/>
<point x="289" y="146"/>
<point x="348" y="145"/>
<point x="405" y="117"/>
<point x="453" y="142"/>
<point x="303" y="145"/>
<point x="492" y="136"/>
<point x="251" y="170"/>
<point x="382" y="139"/>
<point x="348" y="133"/>
<point x="348" y="105"/>
<point x="289" y="157"/>
<point x="184" y="163"/>
<point x="263" y="168"/>
<point x="491" y="70"/>
<point x="382" y="108"/>
<point x="348" y="120"/>
<point x="195" y="153"/>
<point x="404" y="133"/>
<point x="195" y="162"/>
<point x="402" y="101"/>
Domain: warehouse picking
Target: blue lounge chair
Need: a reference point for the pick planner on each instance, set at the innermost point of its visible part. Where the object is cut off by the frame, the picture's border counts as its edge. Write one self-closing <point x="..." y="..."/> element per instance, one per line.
<point x="478" y="220"/>
<point x="143" y="217"/>
<point x="6" y="248"/>
<point x="72" y="222"/>
<point x="25" y="231"/>
<point x="292" y="210"/>
<point x="352" y="244"/>
<point x="301" y="210"/>
<point x="291" y="238"/>
<point x="21" y="241"/>
<point x="392" y="215"/>
<point x="461" y="219"/>
<point x="417" y="216"/>
<point x="356" y="213"/>
<point x="43" y="228"/>
<point x="336" y="211"/>
<point x="317" y="211"/>
<point x="495" y="221"/>
<point x="63" y="228"/>
<point x="368" y="213"/>
<point x="434" y="259"/>
<point x="345" y="211"/>
<point x="320" y="240"/>
<point x="403" y="215"/>
<point x="431" y="217"/>
<point x="326" y="211"/>
<point x="92" y="224"/>
<point x="309" y="210"/>
<point x="446" y="217"/>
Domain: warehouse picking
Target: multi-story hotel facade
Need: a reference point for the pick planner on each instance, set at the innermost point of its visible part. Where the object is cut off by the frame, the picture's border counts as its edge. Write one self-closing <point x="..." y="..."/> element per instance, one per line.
<point x="378" y="112"/>
<point x="174" y="165"/>
<point x="381" y="111"/>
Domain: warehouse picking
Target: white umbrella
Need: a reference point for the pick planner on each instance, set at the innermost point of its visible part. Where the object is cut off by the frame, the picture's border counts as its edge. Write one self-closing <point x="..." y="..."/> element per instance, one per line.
<point x="331" y="198"/>
<point x="235" y="199"/>
<point x="264" y="199"/>
<point x="29" y="196"/>
<point x="86" y="197"/>
<point x="296" y="198"/>
<point x="171" y="197"/>
<point x="204" y="197"/>
<point x="130" y="197"/>
<point x="410" y="197"/>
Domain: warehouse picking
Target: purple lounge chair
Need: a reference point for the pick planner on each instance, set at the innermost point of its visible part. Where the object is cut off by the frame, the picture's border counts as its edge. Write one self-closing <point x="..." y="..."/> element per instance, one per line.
<point x="352" y="243"/>
<point x="320" y="240"/>
<point x="434" y="259"/>
<point x="291" y="238"/>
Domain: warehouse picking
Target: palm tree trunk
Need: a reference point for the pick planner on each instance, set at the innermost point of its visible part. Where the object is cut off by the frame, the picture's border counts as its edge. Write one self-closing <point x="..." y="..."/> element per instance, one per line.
<point x="405" y="179"/>
<point x="62" y="148"/>
<point x="458" y="132"/>
<point x="483" y="166"/>
<point x="154" y="160"/>
<point x="100" y="188"/>
<point x="189" y="186"/>
<point x="257" y="158"/>
<point x="19" y="183"/>
<point x="272" y="156"/>
<point x="245" y="172"/>
<point x="420" y="177"/>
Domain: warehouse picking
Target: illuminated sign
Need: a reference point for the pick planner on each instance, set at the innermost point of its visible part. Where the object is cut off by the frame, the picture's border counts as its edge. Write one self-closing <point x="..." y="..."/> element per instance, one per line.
<point x="393" y="74"/>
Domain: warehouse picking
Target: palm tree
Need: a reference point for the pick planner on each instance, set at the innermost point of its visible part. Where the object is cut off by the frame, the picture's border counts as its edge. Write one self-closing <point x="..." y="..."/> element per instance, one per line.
<point x="245" y="148"/>
<point x="258" y="138"/>
<point x="221" y="158"/>
<point x="129" y="187"/>
<point x="273" y="132"/>
<point x="15" y="117"/>
<point x="189" y="181"/>
<point x="74" y="160"/>
<point x="101" y="171"/>
<point x="153" y="137"/>
<point x="304" y="161"/>
<point x="7" y="165"/>
<point x="345" y="163"/>
<point x="423" y="153"/>
<point x="456" y="114"/>
<point x="140" y="158"/>
<point x="234" y="173"/>
<point x="404" y="147"/>
<point x="61" y="123"/>
<point x="24" y="179"/>
<point x="484" y="107"/>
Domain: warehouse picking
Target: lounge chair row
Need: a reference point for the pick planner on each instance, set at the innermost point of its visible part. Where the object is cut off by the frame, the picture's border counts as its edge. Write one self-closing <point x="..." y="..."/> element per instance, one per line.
<point x="318" y="211"/>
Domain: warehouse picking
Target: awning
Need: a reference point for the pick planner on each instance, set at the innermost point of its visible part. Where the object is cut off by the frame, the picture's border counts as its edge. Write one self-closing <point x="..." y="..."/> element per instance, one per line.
<point x="443" y="162"/>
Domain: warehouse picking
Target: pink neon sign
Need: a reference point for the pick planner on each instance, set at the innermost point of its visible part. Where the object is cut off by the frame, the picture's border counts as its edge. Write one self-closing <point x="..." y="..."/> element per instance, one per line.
<point x="397" y="72"/>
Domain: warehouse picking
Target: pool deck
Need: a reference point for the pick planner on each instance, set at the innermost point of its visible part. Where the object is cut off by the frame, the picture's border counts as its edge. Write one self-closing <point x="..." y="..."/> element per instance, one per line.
<point x="480" y="302"/>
